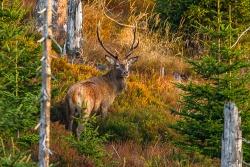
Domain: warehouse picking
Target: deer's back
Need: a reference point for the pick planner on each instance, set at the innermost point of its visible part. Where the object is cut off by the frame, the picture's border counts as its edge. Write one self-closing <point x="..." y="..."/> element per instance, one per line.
<point x="92" y="94"/>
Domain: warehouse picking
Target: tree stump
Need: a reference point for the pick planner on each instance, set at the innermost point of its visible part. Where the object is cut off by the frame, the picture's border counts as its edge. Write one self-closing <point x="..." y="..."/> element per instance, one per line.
<point x="231" y="153"/>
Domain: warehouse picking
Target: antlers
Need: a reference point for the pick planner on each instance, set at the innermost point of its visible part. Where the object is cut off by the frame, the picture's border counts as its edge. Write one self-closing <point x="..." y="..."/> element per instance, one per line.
<point x="134" y="45"/>
<point x="132" y="48"/>
<point x="100" y="41"/>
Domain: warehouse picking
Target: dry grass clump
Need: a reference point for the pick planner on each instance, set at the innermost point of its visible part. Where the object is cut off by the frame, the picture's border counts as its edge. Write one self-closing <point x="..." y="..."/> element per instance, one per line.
<point x="159" y="154"/>
<point x="156" y="50"/>
<point x="29" y="3"/>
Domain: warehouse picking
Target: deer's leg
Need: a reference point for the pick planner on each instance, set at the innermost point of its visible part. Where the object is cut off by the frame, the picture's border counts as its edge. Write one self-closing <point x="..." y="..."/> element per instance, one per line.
<point x="104" y="111"/>
<point x="69" y="116"/>
<point x="69" y="124"/>
<point x="86" y="114"/>
<point x="74" y="128"/>
<point x="79" y="130"/>
<point x="75" y="121"/>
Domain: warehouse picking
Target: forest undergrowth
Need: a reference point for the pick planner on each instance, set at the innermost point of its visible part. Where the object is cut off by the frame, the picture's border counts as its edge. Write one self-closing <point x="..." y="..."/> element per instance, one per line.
<point x="137" y="131"/>
<point x="137" y="128"/>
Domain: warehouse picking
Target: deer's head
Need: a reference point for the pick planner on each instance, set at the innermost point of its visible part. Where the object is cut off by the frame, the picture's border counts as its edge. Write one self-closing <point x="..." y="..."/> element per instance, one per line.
<point x="120" y="68"/>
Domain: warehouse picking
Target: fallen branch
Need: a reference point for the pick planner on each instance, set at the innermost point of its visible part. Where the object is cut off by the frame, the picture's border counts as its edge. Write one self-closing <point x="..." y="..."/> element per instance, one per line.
<point x="240" y="37"/>
<point x="56" y="43"/>
<point x="119" y="23"/>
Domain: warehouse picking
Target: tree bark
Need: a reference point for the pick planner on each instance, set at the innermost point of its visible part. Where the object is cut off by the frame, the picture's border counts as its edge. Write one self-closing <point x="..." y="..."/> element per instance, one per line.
<point x="40" y="4"/>
<point x="44" y="136"/>
<point x="231" y="153"/>
<point x="74" y="29"/>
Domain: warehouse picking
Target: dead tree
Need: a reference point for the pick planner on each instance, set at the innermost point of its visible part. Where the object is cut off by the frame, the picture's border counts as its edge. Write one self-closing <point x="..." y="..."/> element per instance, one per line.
<point x="40" y="4"/>
<point x="46" y="29"/>
<point x="231" y="153"/>
<point x="74" y="28"/>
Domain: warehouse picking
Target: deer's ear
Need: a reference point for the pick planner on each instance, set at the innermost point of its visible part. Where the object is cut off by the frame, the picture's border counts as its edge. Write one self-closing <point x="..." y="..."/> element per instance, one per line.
<point x="110" y="59"/>
<point x="132" y="60"/>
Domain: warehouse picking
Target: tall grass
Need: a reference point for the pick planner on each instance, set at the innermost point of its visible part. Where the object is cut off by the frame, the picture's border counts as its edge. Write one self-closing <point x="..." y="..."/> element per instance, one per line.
<point x="155" y="50"/>
<point x="10" y="155"/>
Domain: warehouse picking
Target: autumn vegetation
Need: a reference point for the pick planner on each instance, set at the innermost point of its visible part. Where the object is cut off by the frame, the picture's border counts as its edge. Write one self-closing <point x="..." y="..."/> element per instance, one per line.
<point x="144" y="126"/>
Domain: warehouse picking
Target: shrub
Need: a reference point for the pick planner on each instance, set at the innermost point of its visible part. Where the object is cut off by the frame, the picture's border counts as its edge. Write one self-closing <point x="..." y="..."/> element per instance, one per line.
<point x="26" y="140"/>
<point x="223" y="80"/>
<point x="143" y="125"/>
<point x="190" y="14"/>
<point x="91" y="143"/>
<point x="19" y="62"/>
<point x="14" y="157"/>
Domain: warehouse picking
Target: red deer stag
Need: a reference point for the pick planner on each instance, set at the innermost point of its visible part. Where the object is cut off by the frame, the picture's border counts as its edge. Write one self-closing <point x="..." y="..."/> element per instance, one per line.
<point x="96" y="94"/>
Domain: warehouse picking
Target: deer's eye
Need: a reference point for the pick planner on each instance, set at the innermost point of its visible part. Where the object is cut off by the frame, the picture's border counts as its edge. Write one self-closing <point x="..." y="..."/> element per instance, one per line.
<point x="117" y="66"/>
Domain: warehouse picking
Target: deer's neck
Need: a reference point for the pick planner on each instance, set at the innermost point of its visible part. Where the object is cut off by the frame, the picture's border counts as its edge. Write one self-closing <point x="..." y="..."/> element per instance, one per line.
<point x="117" y="84"/>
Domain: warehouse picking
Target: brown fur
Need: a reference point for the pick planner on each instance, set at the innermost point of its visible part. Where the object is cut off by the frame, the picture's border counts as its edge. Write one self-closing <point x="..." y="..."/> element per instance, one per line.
<point x="94" y="95"/>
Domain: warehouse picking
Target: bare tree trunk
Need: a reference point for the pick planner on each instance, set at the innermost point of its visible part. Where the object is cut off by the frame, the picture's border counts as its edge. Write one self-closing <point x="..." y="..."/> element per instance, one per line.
<point x="74" y="28"/>
<point x="231" y="153"/>
<point x="46" y="17"/>
<point x="40" y="4"/>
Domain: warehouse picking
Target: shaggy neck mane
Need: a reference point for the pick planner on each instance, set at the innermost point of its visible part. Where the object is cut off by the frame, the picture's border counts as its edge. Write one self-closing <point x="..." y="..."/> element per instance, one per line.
<point x="117" y="83"/>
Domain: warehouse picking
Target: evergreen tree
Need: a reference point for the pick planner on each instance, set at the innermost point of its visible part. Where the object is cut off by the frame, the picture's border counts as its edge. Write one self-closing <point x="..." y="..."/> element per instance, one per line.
<point x="223" y="79"/>
<point x="187" y="15"/>
<point x="19" y="74"/>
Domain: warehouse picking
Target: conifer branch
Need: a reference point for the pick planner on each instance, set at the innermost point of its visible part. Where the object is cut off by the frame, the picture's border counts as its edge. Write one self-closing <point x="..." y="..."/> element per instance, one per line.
<point x="245" y="140"/>
<point x="245" y="163"/>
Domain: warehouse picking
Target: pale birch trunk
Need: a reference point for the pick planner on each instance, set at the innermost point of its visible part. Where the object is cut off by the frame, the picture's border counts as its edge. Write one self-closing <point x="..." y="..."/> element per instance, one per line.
<point x="231" y="153"/>
<point x="44" y="136"/>
<point x="74" y="29"/>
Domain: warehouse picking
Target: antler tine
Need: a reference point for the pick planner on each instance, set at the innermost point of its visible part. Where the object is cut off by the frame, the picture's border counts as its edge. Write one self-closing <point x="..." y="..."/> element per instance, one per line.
<point x="132" y="49"/>
<point x="134" y="35"/>
<point x="100" y="41"/>
<point x="134" y="45"/>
